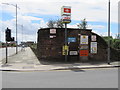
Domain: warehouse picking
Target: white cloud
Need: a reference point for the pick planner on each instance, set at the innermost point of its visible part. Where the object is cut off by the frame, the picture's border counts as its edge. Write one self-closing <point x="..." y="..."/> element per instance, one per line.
<point x="92" y="10"/>
<point x="31" y="18"/>
<point x="72" y="26"/>
<point x="29" y="29"/>
<point x="105" y="33"/>
<point x="96" y="26"/>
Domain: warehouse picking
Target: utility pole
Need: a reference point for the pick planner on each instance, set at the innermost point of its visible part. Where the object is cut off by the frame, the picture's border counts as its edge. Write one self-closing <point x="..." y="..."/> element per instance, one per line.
<point x="119" y="20"/>
<point x="22" y="38"/>
<point x="16" y="32"/>
<point x="16" y="24"/>
<point x="66" y="42"/>
<point x="109" y="32"/>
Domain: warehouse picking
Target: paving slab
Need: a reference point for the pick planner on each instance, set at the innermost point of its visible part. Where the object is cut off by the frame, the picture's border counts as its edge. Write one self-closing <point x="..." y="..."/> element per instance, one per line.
<point x="27" y="61"/>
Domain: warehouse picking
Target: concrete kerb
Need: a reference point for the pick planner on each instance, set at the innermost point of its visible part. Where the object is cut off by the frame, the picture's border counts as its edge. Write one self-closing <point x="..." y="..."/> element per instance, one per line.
<point x="93" y="67"/>
<point x="63" y="68"/>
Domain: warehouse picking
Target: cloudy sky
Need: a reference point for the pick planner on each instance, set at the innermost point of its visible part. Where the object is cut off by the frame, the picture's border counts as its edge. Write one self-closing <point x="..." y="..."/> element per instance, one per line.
<point x="34" y="14"/>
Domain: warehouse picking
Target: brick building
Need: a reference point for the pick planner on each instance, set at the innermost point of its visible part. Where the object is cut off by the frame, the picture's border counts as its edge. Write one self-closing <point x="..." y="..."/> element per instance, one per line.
<point x="51" y="41"/>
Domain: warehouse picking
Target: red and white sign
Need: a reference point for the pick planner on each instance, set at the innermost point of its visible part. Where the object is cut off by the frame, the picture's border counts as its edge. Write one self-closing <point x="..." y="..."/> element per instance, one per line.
<point x="52" y="31"/>
<point x="66" y="17"/>
<point x="66" y="14"/>
<point x="66" y="10"/>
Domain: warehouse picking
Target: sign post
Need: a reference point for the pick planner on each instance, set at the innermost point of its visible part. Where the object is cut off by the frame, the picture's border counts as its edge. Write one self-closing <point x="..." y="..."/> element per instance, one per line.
<point x="6" y="53"/>
<point x="109" y="32"/>
<point x="66" y="18"/>
<point x="8" y="38"/>
<point x="65" y="41"/>
<point x="66" y="14"/>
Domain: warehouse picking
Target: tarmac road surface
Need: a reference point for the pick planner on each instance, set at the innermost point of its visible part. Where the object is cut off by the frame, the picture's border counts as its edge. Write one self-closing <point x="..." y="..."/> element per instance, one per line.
<point x="95" y="78"/>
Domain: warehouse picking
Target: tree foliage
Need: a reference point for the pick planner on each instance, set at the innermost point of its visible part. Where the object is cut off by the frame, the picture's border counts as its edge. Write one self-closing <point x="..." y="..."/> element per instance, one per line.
<point x="115" y="43"/>
<point x="59" y="24"/>
<point x="83" y="24"/>
<point x="51" y="24"/>
<point x="55" y="24"/>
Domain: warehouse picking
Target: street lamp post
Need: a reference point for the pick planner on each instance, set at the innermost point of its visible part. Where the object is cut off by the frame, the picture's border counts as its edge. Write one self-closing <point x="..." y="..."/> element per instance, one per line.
<point x="109" y="32"/>
<point x="16" y="24"/>
<point x="16" y="32"/>
<point x="22" y="33"/>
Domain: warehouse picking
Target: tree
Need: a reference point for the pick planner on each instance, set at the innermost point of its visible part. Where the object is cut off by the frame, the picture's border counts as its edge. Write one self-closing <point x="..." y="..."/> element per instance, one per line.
<point x="83" y="24"/>
<point x="51" y="24"/>
<point x="59" y="24"/>
<point x="116" y="44"/>
<point x="117" y="36"/>
<point x="55" y="24"/>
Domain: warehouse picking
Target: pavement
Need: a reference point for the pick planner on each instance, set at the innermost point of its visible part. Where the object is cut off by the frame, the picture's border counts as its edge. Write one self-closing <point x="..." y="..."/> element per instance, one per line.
<point x="26" y="60"/>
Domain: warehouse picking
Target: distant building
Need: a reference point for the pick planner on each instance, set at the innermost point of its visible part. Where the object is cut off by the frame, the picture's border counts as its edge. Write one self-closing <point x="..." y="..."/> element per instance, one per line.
<point x="28" y="43"/>
<point x="9" y="44"/>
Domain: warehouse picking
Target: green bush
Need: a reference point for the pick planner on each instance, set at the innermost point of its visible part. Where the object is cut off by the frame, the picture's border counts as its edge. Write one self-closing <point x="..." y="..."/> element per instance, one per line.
<point x="116" y="44"/>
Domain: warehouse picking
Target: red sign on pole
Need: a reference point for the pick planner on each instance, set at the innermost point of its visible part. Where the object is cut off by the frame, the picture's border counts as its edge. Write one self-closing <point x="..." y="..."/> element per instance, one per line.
<point x="66" y="14"/>
<point x="84" y="52"/>
<point x="67" y="10"/>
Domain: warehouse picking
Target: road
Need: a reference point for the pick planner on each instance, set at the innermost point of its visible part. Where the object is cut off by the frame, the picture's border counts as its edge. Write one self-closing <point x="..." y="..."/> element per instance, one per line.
<point x="96" y="78"/>
<point x="11" y="51"/>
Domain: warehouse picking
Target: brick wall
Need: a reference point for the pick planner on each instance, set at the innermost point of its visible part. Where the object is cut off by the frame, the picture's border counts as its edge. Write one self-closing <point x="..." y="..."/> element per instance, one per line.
<point x="51" y="48"/>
